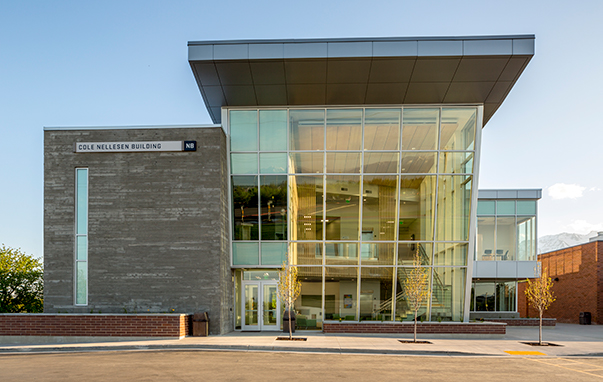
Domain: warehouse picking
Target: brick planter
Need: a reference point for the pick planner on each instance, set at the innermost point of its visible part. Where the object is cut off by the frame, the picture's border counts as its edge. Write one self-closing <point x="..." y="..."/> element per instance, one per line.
<point x="95" y="325"/>
<point x="477" y="328"/>
<point x="525" y="321"/>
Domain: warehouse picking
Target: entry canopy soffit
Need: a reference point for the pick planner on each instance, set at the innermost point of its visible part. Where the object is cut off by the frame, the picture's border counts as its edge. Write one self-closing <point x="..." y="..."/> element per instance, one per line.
<point x="361" y="71"/>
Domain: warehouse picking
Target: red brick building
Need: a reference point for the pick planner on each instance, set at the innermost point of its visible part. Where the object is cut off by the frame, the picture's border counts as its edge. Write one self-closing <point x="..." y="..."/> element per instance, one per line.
<point x="577" y="274"/>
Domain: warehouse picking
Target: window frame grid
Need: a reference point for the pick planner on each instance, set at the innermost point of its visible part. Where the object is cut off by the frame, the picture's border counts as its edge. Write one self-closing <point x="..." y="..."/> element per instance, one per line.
<point x="471" y="176"/>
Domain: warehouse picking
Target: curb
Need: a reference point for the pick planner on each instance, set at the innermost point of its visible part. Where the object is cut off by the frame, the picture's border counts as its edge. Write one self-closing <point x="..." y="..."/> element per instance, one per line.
<point x="243" y="348"/>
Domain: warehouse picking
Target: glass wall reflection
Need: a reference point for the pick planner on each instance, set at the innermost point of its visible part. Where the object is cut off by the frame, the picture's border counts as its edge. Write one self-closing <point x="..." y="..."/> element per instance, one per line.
<point x="404" y="307"/>
<point x="376" y="290"/>
<point x="409" y="250"/>
<point x="420" y="129"/>
<point x="273" y="163"/>
<point x="456" y="163"/>
<point x="418" y="162"/>
<point x="505" y="296"/>
<point x="448" y="293"/>
<point x="379" y="208"/>
<point x="485" y="239"/>
<point x="306" y="129"/>
<point x="351" y="196"/>
<point x="454" y="202"/>
<point x="377" y="253"/>
<point x="341" y="253"/>
<point x="273" y="206"/>
<point x="451" y="254"/>
<point x="381" y="162"/>
<point x="245" y="207"/>
<point x="526" y="238"/>
<point x="458" y="129"/>
<point x="309" y="303"/>
<point x="342" y="212"/>
<point x="381" y="129"/>
<point x="273" y="130"/>
<point x="344" y="129"/>
<point x="243" y="130"/>
<point x="341" y="293"/>
<point x="494" y="296"/>
<point x="305" y="204"/>
<point x="485" y="296"/>
<point x="505" y="238"/>
<point x="305" y="253"/>
<point x="306" y="163"/>
<point x="501" y="235"/>
<point x="417" y="207"/>
<point x="342" y="163"/>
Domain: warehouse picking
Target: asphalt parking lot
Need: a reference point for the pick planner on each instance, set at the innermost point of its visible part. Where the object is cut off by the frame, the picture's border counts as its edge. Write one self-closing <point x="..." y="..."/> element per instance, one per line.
<point x="195" y="365"/>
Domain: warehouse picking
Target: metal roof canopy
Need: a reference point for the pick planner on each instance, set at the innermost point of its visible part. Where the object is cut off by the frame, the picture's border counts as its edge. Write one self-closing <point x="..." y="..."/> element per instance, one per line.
<point x="361" y="71"/>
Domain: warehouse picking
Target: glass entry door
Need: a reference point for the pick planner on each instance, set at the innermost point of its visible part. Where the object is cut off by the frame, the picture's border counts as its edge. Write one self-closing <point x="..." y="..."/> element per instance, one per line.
<point x="261" y="306"/>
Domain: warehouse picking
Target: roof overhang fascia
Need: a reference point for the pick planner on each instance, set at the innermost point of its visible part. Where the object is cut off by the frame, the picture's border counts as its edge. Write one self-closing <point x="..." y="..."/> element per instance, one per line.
<point x="363" y="71"/>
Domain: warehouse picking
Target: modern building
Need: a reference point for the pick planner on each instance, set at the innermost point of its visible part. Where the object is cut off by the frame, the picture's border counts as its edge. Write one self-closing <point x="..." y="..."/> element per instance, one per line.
<point x="506" y="250"/>
<point x="577" y="274"/>
<point x="345" y="157"/>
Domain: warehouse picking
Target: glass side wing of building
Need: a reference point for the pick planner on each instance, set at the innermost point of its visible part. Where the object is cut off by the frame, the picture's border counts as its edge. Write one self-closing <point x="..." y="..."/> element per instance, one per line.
<point x="506" y="230"/>
<point x="351" y="195"/>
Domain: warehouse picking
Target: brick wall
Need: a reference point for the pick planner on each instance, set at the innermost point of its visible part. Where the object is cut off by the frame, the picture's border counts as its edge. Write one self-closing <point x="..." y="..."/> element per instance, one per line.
<point x="525" y="321"/>
<point x="599" y="311"/>
<point x="95" y="325"/>
<point x="422" y="327"/>
<point x="579" y="288"/>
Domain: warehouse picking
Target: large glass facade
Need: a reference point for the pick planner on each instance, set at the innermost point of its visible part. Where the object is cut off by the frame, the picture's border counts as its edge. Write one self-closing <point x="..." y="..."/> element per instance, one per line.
<point x="351" y="196"/>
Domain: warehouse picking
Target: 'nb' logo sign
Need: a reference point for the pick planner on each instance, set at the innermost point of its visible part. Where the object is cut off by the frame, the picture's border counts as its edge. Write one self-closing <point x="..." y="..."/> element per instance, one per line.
<point x="190" y="145"/>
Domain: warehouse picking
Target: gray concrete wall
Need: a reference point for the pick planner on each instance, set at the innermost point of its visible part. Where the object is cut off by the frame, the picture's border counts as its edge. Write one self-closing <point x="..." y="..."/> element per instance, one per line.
<point x="158" y="225"/>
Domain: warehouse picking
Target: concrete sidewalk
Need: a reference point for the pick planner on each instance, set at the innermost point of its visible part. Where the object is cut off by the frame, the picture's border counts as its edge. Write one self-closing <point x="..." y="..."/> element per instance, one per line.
<point x="575" y="340"/>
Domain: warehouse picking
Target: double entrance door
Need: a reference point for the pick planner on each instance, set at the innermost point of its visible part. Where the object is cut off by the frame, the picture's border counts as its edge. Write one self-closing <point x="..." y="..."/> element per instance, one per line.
<point x="261" y="305"/>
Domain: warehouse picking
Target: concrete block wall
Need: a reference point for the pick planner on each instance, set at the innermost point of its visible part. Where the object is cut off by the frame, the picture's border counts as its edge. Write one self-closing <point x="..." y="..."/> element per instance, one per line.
<point x="579" y="288"/>
<point x="158" y="225"/>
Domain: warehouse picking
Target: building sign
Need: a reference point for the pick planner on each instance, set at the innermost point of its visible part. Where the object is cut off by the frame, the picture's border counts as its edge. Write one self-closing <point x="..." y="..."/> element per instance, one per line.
<point x="126" y="147"/>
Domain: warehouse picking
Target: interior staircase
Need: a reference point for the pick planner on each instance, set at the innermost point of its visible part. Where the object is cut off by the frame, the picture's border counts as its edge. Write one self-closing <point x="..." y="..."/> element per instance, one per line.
<point x="441" y="298"/>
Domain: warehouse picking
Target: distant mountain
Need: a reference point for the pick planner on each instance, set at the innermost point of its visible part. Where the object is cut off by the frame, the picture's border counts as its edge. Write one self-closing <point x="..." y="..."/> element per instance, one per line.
<point x="551" y="243"/>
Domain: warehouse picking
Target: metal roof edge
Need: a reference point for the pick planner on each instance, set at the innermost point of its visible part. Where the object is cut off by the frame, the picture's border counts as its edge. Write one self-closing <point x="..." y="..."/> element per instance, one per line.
<point x="510" y="194"/>
<point x="361" y="39"/>
<point x="132" y="127"/>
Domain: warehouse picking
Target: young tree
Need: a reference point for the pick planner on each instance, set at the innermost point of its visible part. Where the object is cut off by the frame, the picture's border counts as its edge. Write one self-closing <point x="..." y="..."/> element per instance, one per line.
<point x="416" y="287"/>
<point x="289" y="289"/>
<point x="539" y="295"/>
<point x="21" y="282"/>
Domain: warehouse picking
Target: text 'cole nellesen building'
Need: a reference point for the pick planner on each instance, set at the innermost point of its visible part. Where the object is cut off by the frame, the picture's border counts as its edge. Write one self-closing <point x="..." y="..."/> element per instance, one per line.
<point x="345" y="157"/>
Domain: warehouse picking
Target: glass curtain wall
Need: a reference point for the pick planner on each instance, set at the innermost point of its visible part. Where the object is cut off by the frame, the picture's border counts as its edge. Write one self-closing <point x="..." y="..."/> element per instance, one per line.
<point x="351" y="196"/>
<point x="494" y="296"/>
<point x="506" y="230"/>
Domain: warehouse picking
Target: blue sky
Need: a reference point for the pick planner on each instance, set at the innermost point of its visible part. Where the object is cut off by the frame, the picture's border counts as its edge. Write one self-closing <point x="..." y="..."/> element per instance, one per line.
<point x="85" y="63"/>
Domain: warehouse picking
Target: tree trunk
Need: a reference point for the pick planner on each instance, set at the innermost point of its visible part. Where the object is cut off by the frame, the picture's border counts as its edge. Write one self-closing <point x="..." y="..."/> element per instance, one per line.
<point x="290" y="333"/>
<point x="415" y="326"/>
<point x="289" y="305"/>
<point x="540" y="330"/>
